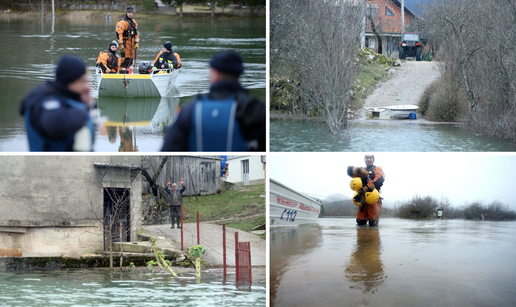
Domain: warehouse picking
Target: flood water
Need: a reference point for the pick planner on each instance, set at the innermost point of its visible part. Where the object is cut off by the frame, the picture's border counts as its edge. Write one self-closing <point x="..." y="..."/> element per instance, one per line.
<point x="30" y="52"/>
<point x="401" y="263"/>
<point x="379" y="135"/>
<point x="88" y="288"/>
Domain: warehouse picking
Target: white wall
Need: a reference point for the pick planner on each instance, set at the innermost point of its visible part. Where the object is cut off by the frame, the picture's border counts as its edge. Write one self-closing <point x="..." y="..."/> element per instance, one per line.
<point x="256" y="169"/>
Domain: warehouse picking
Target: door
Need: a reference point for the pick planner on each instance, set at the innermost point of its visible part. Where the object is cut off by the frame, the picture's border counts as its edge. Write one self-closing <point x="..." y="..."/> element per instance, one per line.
<point x="245" y="170"/>
<point x="117" y="212"/>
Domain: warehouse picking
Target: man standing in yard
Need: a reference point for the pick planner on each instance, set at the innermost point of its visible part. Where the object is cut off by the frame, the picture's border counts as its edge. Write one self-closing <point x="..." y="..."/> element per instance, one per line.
<point x="372" y="177"/>
<point x="175" y="201"/>
<point x="128" y="37"/>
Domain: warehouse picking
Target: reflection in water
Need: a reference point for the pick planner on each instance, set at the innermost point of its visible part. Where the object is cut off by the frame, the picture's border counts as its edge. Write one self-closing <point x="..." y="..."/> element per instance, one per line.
<point x="121" y="117"/>
<point x="287" y="242"/>
<point x="365" y="269"/>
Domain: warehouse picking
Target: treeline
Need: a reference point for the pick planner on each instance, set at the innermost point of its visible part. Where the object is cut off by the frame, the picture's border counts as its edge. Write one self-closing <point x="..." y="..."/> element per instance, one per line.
<point x="476" y="44"/>
<point x="346" y="208"/>
<point x="425" y="207"/>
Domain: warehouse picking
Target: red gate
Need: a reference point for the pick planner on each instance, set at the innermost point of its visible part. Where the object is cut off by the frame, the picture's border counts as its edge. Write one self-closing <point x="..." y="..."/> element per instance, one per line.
<point x="243" y="260"/>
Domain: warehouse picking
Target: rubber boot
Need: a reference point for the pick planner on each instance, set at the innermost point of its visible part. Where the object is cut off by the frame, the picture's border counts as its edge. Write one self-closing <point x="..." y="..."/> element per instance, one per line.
<point x="373" y="223"/>
<point x="172" y="223"/>
<point x="178" y="223"/>
<point x="361" y="222"/>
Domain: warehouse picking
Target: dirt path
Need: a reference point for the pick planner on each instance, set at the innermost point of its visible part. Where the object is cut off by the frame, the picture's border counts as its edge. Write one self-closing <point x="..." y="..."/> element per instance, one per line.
<point x="406" y="86"/>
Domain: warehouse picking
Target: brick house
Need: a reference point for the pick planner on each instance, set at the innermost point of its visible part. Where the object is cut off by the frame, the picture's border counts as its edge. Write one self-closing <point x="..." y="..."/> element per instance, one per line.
<point x="387" y="17"/>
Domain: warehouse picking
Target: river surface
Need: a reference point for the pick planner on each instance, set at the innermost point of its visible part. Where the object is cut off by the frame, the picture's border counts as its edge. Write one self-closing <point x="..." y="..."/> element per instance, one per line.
<point x="90" y="288"/>
<point x="402" y="263"/>
<point x="30" y="51"/>
<point x="379" y="135"/>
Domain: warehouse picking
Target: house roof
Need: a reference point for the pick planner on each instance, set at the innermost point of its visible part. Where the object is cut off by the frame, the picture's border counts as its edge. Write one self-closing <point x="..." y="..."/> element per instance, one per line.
<point x="407" y="10"/>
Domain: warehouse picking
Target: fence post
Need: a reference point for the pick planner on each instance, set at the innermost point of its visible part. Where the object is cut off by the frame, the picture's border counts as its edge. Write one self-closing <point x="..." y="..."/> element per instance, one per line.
<point x="224" y="248"/>
<point x="181" y="227"/>
<point x="236" y="257"/>
<point x="250" y="266"/>
<point x="198" y="238"/>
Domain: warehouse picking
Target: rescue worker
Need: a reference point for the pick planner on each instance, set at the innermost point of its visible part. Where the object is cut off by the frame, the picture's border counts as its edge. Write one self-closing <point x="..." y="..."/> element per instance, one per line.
<point x="372" y="177"/>
<point x="108" y="60"/>
<point x="175" y="201"/>
<point x="57" y="112"/>
<point x="165" y="58"/>
<point x="179" y="63"/>
<point x="225" y="119"/>
<point x="128" y="37"/>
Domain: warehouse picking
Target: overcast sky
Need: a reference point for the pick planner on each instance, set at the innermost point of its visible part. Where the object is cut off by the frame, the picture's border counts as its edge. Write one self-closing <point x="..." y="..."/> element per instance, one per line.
<point x="461" y="177"/>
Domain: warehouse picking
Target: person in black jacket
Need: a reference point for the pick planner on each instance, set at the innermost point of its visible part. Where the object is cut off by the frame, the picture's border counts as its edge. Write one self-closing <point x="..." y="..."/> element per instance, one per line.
<point x="225" y="119"/>
<point x="165" y="58"/>
<point x="57" y="112"/>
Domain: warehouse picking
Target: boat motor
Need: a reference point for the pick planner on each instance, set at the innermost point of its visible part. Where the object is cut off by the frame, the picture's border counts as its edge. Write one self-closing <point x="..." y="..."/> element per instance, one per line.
<point x="145" y="68"/>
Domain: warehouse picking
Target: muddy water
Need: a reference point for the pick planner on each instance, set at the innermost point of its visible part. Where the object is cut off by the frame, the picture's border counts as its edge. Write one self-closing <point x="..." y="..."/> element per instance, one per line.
<point x="401" y="263"/>
<point x="379" y="135"/>
<point x="30" y="51"/>
<point x="89" y="288"/>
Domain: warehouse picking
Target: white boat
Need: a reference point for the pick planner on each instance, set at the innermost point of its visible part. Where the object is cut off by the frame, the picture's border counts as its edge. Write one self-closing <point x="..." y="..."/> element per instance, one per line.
<point x="391" y="112"/>
<point x="291" y="208"/>
<point x="135" y="85"/>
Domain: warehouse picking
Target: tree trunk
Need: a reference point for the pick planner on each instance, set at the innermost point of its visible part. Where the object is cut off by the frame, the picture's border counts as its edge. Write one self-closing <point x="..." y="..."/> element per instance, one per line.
<point x="181" y="10"/>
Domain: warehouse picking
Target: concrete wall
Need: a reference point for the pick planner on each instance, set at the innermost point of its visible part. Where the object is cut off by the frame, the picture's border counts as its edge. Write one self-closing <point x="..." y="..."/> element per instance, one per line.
<point x="256" y="169"/>
<point x="54" y="204"/>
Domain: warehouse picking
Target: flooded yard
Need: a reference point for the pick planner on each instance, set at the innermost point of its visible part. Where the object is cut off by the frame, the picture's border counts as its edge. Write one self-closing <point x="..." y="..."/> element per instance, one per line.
<point x="91" y="288"/>
<point x="401" y="263"/>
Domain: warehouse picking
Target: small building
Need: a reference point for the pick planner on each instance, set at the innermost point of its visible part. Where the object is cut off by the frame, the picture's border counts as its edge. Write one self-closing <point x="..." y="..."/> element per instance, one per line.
<point x="387" y="18"/>
<point x="55" y="205"/>
<point x="245" y="170"/>
<point x="200" y="174"/>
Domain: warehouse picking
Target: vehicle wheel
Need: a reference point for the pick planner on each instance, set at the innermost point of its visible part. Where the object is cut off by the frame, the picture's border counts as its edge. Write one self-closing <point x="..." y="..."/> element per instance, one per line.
<point x="418" y="54"/>
<point x="401" y="54"/>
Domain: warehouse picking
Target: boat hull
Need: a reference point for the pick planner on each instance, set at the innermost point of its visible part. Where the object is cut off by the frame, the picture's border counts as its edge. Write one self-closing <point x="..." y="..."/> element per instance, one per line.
<point x="291" y="208"/>
<point x="390" y="112"/>
<point x="136" y="85"/>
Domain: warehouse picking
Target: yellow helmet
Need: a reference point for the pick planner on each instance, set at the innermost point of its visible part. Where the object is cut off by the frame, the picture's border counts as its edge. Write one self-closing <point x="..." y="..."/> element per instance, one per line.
<point x="356" y="184"/>
<point x="357" y="200"/>
<point x="372" y="198"/>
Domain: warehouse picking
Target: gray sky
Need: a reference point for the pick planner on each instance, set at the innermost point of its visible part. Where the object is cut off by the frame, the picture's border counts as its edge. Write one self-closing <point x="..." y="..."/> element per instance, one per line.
<point x="461" y="177"/>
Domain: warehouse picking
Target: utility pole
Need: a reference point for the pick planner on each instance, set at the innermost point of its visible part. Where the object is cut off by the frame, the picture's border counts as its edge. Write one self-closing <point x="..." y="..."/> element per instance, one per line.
<point x="402" y="17"/>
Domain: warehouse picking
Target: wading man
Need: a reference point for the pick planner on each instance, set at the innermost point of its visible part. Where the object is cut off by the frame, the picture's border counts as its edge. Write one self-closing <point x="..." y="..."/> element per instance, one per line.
<point x="175" y="201"/>
<point x="57" y="112"/>
<point x="373" y="178"/>
<point x="225" y="119"/>
<point x="128" y="37"/>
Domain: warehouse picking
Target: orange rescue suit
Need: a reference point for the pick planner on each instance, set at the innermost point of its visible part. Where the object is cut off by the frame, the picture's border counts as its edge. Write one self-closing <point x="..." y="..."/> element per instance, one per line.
<point x="374" y="181"/>
<point x="179" y="64"/>
<point x="107" y="62"/>
<point x="127" y="35"/>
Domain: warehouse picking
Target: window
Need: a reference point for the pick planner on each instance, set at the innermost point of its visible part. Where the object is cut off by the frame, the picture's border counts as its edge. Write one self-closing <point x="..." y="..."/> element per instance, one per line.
<point x="372" y="43"/>
<point x="388" y="12"/>
<point x="371" y="11"/>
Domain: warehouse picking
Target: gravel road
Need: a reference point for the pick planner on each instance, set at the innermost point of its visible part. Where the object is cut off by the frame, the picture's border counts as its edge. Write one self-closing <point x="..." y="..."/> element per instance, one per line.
<point x="406" y="86"/>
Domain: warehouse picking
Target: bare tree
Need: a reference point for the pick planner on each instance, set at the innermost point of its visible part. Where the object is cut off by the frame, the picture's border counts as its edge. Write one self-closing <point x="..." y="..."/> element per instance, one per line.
<point x="481" y="39"/>
<point x="316" y="42"/>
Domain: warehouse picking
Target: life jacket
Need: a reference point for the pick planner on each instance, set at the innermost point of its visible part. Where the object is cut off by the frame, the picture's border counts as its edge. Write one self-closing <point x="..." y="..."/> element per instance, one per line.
<point x="37" y="142"/>
<point x="112" y="61"/>
<point x="131" y="30"/>
<point x="214" y="126"/>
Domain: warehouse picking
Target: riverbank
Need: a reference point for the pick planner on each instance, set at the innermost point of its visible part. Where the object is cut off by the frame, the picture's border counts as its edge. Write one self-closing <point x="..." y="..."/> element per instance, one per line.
<point x="70" y="14"/>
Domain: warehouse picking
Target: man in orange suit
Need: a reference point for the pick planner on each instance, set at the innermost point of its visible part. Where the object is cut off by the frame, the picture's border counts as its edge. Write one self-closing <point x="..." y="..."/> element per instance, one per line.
<point x="128" y="38"/>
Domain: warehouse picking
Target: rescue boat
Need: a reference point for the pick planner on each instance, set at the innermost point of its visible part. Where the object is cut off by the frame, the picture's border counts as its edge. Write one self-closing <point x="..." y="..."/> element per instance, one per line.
<point x="136" y="84"/>
<point x="291" y="208"/>
<point x="389" y="112"/>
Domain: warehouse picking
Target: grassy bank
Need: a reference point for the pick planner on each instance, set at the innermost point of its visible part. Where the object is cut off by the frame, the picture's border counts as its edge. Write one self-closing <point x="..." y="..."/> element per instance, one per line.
<point x="242" y="208"/>
<point x="373" y="69"/>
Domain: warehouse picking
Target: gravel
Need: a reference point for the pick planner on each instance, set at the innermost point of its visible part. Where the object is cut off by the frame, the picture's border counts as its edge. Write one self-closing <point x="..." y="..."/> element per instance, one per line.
<point x="406" y="86"/>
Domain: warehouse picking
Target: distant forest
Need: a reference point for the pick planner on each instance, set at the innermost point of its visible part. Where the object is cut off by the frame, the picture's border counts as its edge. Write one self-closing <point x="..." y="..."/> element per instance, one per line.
<point x="425" y="207"/>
